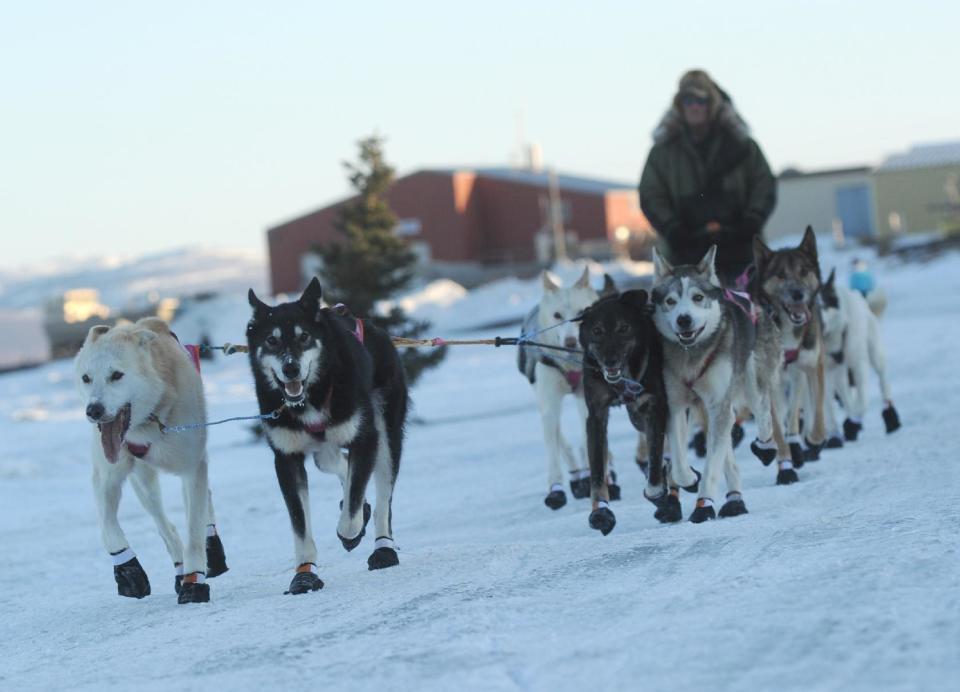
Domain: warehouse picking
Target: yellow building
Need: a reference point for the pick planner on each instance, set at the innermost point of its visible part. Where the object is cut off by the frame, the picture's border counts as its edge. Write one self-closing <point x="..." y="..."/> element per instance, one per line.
<point x="919" y="190"/>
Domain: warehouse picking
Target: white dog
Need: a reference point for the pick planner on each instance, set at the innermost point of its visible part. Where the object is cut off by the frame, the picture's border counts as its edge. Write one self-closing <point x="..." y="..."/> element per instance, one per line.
<point x="555" y="374"/>
<point x="851" y="333"/>
<point x="136" y="379"/>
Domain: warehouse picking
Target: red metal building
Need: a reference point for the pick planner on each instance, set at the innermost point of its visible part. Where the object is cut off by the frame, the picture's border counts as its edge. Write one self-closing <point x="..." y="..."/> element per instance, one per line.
<point x="465" y="221"/>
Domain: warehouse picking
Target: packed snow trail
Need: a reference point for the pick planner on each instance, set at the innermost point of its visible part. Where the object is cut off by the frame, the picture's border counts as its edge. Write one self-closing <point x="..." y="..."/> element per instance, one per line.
<point x="847" y="580"/>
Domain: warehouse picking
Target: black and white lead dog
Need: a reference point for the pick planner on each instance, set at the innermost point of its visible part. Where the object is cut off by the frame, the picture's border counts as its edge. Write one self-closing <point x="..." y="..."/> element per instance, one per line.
<point x="331" y="381"/>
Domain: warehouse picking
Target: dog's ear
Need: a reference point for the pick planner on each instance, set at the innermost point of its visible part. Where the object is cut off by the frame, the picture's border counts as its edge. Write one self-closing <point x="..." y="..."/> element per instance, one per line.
<point x="609" y="287"/>
<point x="584" y="280"/>
<point x="96" y="332"/>
<point x="550" y="282"/>
<point x="829" y="281"/>
<point x="258" y="305"/>
<point x="761" y="253"/>
<point x="310" y="300"/>
<point x="707" y="268"/>
<point x="144" y="336"/>
<point x="808" y="245"/>
<point x="636" y="299"/>
<point x="661" y="267"/>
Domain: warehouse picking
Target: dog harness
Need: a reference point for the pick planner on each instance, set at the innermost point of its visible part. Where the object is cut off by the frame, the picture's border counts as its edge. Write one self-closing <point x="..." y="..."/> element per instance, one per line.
<point x="573" y="377"/>
<point x="708" y="361"/>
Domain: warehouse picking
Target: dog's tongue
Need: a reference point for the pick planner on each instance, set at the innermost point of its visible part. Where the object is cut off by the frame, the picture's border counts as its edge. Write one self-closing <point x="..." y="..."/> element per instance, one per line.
<point x="111" y="438"/>
<point x="293" y="388"/>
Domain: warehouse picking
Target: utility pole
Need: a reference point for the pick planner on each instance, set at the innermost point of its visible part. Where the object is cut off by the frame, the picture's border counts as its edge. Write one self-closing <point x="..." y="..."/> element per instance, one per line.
<point x="556" y="217"/>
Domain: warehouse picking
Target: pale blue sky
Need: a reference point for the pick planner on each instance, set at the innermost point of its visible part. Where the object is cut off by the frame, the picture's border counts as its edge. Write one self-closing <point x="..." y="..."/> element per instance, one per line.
<point x="130" y="127"/>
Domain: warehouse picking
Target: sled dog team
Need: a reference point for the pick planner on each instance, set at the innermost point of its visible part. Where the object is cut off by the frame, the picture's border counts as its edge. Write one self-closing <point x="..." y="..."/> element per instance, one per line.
<point x="331" y="386"/>
<point x="694" y="351"/>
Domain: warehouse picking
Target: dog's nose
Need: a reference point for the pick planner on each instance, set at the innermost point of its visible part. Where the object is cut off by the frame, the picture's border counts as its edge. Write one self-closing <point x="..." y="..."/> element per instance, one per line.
<point x="684" y="321"/>
<point x="291" y="369"/>
<point x="95" y="411"/>
<point x="571" y="342"/>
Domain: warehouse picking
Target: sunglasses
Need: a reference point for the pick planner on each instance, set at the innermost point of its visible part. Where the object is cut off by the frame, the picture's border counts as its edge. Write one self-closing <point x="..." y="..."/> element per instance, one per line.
<point x="691" y="100"/>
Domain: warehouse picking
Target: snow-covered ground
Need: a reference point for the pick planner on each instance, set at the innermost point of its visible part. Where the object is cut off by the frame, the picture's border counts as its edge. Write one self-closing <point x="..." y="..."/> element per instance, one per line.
<point x="848" y="580"/>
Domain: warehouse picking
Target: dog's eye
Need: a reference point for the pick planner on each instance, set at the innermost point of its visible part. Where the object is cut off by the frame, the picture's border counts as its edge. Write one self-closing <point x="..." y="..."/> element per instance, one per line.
<point x="670" y="302"/>
<point x="115" y="375"/>
<point x="272" y="341"/>
<point x="698" y="298"/>
<point x="597" y="331"/>
<point x="623" y="328"/>
<point x="304" y="338"/>
<point x="557" y="316"/>
<point x="86" y="379"/>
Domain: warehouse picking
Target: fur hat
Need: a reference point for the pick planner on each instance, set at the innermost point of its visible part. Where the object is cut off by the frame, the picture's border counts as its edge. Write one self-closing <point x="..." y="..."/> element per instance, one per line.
<point x="698" y="83"/>
<point x="721" y="109"/>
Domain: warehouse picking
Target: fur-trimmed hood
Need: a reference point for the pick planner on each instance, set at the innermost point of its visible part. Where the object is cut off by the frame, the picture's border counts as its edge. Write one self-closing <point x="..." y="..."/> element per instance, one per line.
<point x="723" y="113"/>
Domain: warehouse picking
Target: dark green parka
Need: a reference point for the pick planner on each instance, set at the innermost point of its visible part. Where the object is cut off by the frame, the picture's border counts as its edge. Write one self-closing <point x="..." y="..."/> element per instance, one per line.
<point x="724" y="178"/>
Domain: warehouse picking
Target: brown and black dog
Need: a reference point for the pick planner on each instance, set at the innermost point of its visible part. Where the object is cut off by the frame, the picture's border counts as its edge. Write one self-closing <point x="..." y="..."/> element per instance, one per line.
<point x="786" y="284"/>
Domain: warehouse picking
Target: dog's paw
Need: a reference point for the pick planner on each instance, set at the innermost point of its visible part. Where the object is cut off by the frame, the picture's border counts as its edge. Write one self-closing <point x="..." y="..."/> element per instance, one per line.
<point x="698" y="443"/>
<point x="351" y="543"/>
<point x="132" y="581"/>
<point x="703" y="512"/>
<point x="733" y="507"/>
<point x="766" y="452"/>
<point x="555" y="499"/>
<point x="668" y="507"/>
<point x="602" y="519"/>
<point x="851" y="429"/>
<point x="671" y="512"/>
<point x="787" y="476"/>
<point x="798" y="455"/>
<point x="891" y="419"/>
<point x="580" y="487"/>
<point x="304" y="582"/>
<point x="812" y="451"/>
<point x="381" y="558"/>
<point x="736" y="435"/>
<point x="833" y="442"/>
<point x="216" y="559"/>
<point x="191" y="592"/>
<point x="695" y="486"/>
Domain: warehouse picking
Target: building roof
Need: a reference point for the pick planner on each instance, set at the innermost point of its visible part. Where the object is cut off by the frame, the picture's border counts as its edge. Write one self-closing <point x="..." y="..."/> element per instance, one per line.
<point x="794" y="173"/>
<point x="525" y="176"/>
<point x="924" y="156"/>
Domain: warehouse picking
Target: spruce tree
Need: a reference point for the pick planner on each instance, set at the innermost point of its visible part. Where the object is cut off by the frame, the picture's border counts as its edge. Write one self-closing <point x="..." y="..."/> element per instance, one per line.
<point x="372" y="263"/>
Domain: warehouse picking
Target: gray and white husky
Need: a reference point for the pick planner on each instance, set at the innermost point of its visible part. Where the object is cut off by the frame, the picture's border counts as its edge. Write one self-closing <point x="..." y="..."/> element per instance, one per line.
<point x="787" y="284"/>
<point x="851" y="335"/>
<point x="720" y="354"/>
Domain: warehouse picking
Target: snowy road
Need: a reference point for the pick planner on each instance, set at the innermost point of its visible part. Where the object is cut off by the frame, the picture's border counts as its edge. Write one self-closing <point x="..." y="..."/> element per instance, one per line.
<point x="848" y="580"/>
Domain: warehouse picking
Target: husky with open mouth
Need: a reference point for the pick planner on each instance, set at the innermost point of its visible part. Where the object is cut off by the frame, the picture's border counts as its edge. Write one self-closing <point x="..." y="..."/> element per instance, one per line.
<point x="329" y="382"/>
<point x="787" y="284"/>
<point x="720" y="354"/>
<point x="623" y="365"/>
<point x="135" y="379"/>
